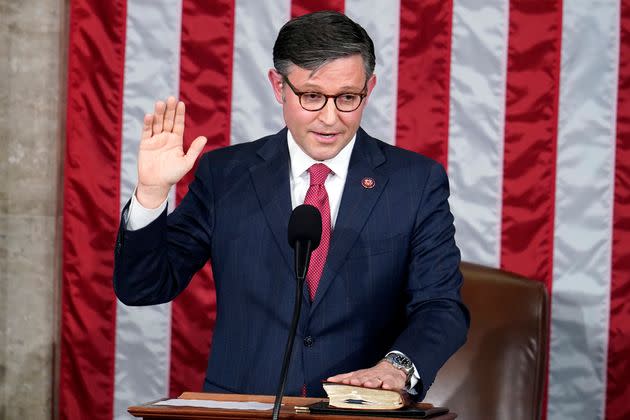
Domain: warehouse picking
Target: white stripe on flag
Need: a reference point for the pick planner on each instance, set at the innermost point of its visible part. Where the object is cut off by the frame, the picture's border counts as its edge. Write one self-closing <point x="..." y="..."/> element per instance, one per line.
<point x="255" y="111"/>
<point x="151" y="73"/>
<point x="477" y="114"/>
<point x="382" y="21"/>
<point x="584" y="198"/>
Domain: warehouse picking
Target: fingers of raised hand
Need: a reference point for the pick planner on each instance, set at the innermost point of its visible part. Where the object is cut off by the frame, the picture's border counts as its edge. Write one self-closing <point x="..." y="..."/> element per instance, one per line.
<point x="169" y="115"/>
<point x="179" y="119"/>
<point x="195" y="149"/>
<point x="158" y="117"/>
<point x="147" y="126"/>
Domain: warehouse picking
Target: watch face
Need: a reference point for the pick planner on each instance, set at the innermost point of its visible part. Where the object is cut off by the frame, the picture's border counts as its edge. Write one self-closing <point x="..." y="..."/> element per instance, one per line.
<point x="399" y="361"/>
<point x="402" y="361"/>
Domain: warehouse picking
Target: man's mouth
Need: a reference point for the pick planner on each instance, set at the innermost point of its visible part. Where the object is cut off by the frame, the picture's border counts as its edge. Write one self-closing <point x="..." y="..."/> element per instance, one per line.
<point x="325" y="135"/>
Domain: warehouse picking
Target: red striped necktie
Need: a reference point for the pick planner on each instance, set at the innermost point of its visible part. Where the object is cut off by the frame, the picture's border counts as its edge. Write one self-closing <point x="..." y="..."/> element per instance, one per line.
<point x="318" y="197"/>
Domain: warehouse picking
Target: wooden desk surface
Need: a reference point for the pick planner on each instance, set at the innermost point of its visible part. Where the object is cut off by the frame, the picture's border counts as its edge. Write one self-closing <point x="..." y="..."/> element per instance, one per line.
<point x="153" y="412"/>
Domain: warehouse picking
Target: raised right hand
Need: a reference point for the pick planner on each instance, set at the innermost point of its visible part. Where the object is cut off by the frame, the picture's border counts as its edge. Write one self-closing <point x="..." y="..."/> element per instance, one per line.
<point x="161" y="159"/>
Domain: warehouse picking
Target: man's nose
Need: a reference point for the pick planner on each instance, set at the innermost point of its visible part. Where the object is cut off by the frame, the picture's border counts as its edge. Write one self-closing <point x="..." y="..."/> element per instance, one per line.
<point x="328" y="114"/>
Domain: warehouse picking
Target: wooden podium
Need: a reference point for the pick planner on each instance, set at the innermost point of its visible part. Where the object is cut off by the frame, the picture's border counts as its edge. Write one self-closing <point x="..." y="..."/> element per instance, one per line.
<point x="288" y="411"/>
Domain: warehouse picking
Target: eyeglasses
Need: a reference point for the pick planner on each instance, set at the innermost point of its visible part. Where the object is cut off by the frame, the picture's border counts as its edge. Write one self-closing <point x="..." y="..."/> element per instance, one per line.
<point x="315" y="101"/>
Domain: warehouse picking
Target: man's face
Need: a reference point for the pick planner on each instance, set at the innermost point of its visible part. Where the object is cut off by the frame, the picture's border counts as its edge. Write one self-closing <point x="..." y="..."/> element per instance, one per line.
<point x="322" y="134"/>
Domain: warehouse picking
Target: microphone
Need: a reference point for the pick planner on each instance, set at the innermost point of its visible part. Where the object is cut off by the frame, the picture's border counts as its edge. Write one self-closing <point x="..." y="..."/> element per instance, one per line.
<point x="305" y="233"/>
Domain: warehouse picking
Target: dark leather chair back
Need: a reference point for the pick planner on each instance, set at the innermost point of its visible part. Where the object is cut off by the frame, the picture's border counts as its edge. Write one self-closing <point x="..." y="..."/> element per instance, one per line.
<point x="500" y="372"/>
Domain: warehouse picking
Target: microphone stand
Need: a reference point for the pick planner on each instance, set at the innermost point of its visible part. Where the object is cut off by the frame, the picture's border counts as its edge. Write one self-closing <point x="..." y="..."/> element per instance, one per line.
<point x="296" y="316"/>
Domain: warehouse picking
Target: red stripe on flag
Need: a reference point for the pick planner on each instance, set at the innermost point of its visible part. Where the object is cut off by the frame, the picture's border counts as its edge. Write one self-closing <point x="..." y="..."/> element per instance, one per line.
<point x="91" y="208"/>
<point x="531" y="120"/>
<point x="618" y="370"/>
<point x="424" y="66"/>
<point x="303" y="7"/>
<point x="531" y="117"/>
<point x="206" y="88"/>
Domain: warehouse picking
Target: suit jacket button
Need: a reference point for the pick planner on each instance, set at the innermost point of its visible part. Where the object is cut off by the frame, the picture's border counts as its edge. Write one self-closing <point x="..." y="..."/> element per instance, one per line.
<point x="308" y="341"/>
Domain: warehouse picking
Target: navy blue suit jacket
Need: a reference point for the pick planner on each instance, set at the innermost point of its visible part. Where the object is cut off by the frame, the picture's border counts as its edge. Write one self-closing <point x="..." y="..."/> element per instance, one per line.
<point x="391" y="280"/>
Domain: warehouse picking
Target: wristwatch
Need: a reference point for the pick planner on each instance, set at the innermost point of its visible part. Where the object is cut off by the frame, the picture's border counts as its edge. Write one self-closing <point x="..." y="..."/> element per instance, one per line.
<point x="402" y="362"/>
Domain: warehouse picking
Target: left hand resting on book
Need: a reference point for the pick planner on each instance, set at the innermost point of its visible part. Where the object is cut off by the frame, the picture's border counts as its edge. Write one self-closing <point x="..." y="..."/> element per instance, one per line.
<point x="383" y="375"/>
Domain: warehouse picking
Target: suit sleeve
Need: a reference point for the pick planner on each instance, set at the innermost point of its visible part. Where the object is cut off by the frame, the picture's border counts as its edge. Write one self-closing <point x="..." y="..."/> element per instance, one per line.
<point x="437" y="320"/>
<point x="154" y="264"/>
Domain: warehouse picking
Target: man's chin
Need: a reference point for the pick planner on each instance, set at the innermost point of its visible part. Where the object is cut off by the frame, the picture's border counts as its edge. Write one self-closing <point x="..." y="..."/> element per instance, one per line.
<point x="322" y="156"/>
<point x="325" y="150"/>
<point x="321" y="152"/>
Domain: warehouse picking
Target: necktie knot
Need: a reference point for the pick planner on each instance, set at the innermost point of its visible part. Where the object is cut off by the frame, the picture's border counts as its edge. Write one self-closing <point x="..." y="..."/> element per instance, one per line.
<point x="319" y="172"/>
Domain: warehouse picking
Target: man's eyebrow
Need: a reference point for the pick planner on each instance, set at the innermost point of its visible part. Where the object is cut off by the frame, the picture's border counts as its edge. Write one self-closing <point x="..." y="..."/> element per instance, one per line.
<point x="316" y="88"/>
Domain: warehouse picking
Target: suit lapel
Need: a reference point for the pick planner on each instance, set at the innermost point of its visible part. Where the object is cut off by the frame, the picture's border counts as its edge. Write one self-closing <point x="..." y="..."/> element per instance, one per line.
<point x="356" y="205"/>
<point x="271" y="182"/>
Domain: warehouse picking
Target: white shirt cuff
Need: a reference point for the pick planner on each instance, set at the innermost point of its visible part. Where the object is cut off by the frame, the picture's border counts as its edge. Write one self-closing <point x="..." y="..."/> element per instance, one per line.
<point x="139" y="216"/>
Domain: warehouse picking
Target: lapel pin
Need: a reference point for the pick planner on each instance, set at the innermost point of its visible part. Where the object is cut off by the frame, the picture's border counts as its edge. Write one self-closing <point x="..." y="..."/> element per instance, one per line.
<point x="368" y="183"/>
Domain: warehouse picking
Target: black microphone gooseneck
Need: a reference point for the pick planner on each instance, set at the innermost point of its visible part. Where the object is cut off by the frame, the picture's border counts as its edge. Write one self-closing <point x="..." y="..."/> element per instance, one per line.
<point x="305" y="233"/>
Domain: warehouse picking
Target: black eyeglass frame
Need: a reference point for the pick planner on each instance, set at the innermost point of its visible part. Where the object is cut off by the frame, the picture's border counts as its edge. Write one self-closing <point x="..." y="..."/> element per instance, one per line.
<point x="299" y="94"/>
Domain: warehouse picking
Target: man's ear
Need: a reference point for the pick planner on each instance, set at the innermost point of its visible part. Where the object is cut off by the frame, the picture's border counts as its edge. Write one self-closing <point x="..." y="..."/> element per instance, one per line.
<point x="370" y="86"/>
<point x="276" y="84"/>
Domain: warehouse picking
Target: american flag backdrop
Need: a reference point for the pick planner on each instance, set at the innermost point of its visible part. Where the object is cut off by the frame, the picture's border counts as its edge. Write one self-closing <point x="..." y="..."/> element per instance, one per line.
<point x="525" y="102"/>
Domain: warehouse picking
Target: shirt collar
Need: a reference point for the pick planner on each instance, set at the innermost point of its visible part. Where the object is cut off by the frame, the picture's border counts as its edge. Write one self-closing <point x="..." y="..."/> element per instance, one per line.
<point x="300" y="161"/>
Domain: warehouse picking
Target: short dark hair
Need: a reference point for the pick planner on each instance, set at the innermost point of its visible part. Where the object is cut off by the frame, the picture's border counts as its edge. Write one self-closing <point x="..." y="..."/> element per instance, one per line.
<point x="310" y="41"/>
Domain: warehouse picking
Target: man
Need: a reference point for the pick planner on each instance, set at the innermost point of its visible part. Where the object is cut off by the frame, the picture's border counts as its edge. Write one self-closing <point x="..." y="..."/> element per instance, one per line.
<point x="382" y="306"/>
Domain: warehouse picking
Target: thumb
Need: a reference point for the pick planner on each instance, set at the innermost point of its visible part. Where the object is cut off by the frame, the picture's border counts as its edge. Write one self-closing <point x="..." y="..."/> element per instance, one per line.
<point x="195" y="149"/>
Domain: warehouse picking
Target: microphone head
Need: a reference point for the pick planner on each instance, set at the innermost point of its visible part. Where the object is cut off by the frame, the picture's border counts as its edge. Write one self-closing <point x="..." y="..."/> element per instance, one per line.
<point x="305" y="224"/>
